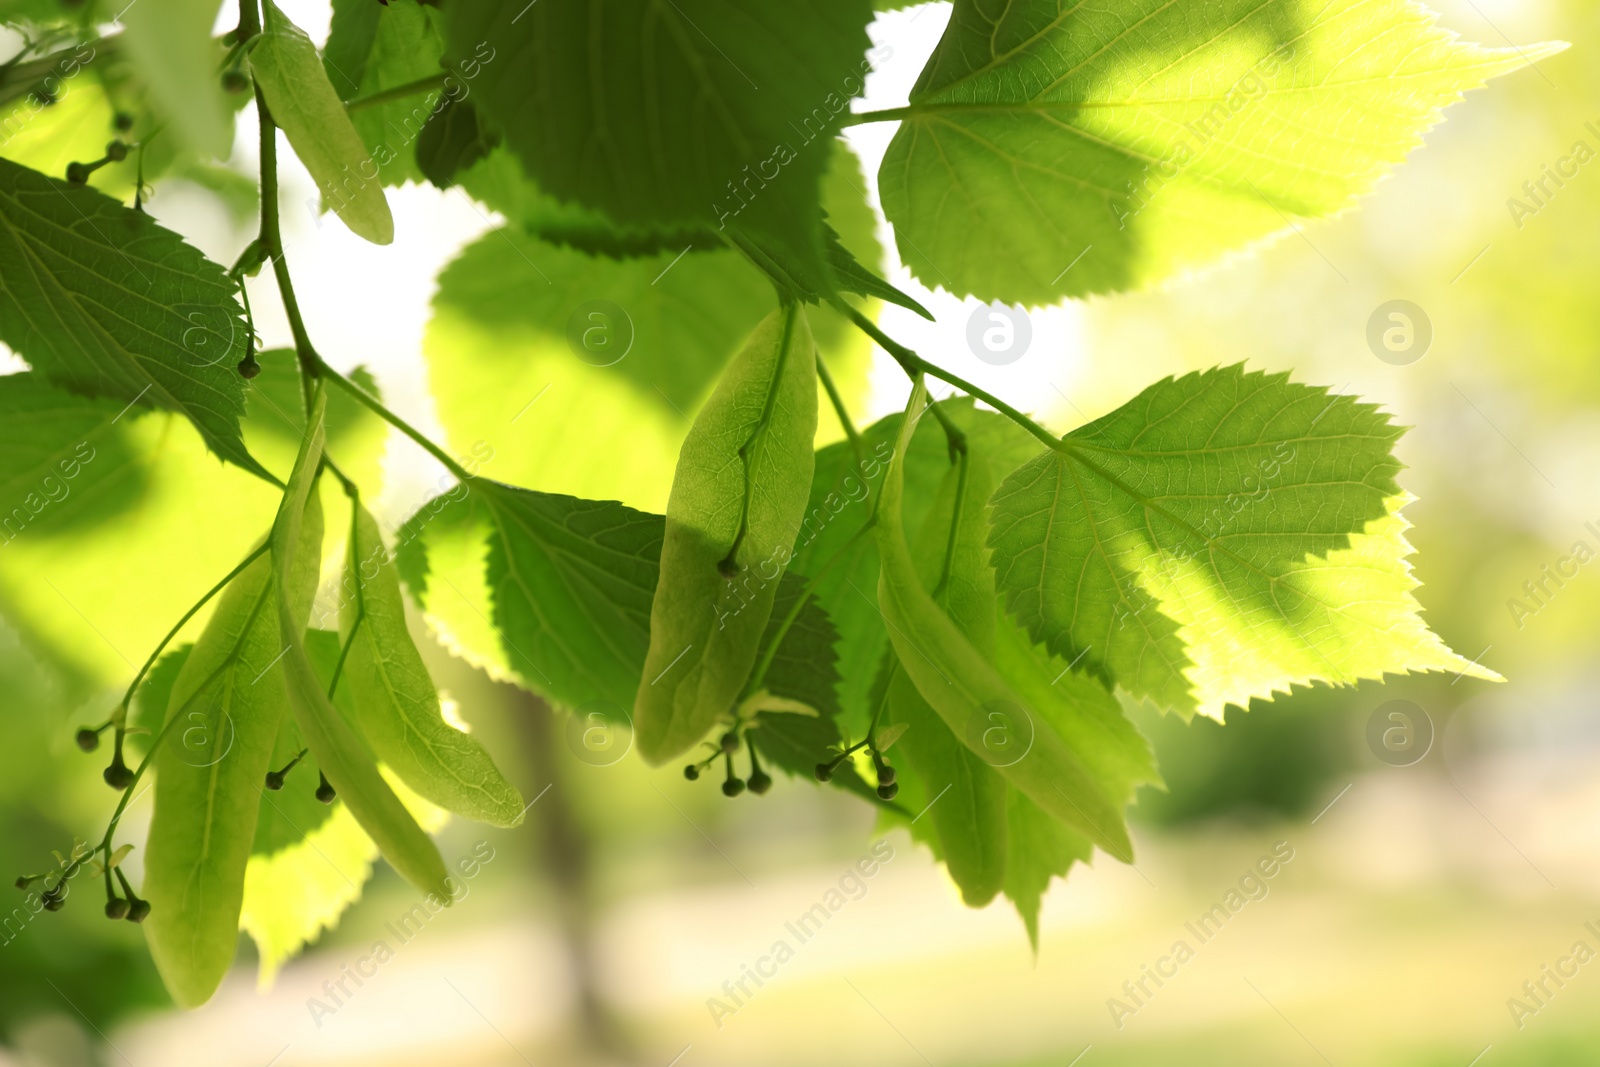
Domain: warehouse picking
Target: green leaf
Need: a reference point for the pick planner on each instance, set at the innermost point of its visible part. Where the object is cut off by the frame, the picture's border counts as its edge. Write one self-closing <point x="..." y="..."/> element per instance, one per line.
<point x="803" y="668"/>
<point x="1038" y="848"/>
<point x="565" y="585"/>
<point x="736" y="505"/>
<point x="395" y="703"/>
<point x="714" y="113"/>
<point x="103" y="302"/>
<point x="515" y="385"/>
<point x="222" y="723"/>
<point x="1057" y="150"/>
<point x="953" y="566"/>
<point x="452" y="140"/>
<point x="959" y="682"/>
<point x="290" y="75"/>
<point x="176" y="56"/>
<point x="403" y="46"/>
<point x="64" y="460"/>
<point x="31" y="12"/>
<point x="1080" y="709"/>
<point x="352" y="31"/>
<point x="850" y="276"/>
<point x="1222" y="536"/>
<point x="340" y="752"/>
<point x="800" y="640"/>
<point x="500" y="183"/>
<point x="290" y="814"/>
<point x="293" y="893"/>
<point x="510" y="384"/>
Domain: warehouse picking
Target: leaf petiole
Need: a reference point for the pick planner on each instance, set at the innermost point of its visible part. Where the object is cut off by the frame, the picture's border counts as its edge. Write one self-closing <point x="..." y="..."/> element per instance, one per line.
<point x="398" y="92"/>
<point x="373" y="404"/>
<point x="911" y="363"/>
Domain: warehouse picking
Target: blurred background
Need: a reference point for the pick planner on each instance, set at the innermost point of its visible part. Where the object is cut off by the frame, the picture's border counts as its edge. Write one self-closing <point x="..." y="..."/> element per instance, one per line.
<point x="1423" y="890"/>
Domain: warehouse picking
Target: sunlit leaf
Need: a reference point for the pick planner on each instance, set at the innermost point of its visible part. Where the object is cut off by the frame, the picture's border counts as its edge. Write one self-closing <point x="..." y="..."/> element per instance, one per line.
<point x="376" y="47"/>
<point x="1057" y="150"/>
<point x="952" y="565"/>
<point x="222" y="722"/>
<point x="1222" y="536"/>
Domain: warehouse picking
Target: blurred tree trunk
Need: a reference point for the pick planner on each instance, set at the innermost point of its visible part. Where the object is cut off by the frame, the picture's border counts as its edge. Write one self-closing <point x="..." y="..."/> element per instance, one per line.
<point x="566" y="862"/>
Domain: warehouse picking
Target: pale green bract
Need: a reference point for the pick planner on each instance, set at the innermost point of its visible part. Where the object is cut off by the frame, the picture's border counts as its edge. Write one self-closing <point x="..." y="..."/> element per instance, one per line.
<point x="226" y="706"/>
<point x="737" y="501"/>
<point x="953" y="565"/>
<point x="303" y="103"/>
<point x="394" y="701"/>
<point x="968" y="691"/>
<point x="340" y="751"/>
<point x="1222" y="536"/>
<point x="1057" y="149"/>
<point x="310" y="860"/>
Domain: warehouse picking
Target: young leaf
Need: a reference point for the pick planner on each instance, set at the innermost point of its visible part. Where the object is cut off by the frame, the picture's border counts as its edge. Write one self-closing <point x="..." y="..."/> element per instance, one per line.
<point x="394" y="701"/>
<point x="960" y="684"/>
<point x="222" y="722"/>
<point x="850" y="276"/>
<point x="736" y="504"/>
<point x="1223" y="536"/>
<point x="724" y="131"/>
<point x="402" y="45"/>
<point x="1055" y="150"/>
<point x="340" y="752"/>
<point x="304" y="105"/>
<point x="103" y="302"/>
<point x="176" y="56"/>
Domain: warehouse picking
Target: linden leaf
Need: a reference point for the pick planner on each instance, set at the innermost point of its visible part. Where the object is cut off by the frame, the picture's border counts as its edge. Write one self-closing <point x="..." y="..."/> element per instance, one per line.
<point x="1222" y="536"/>
<point x="1055" y="150"/>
